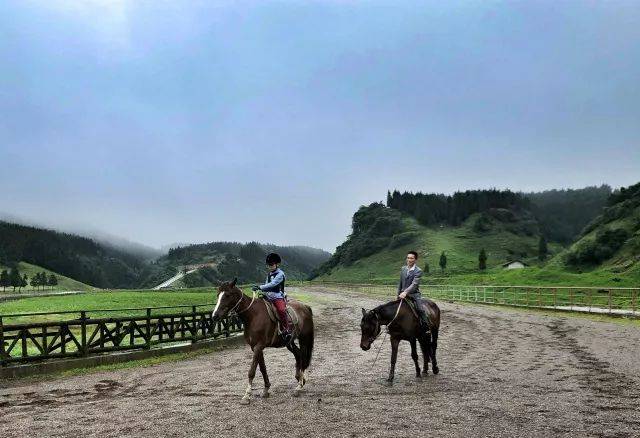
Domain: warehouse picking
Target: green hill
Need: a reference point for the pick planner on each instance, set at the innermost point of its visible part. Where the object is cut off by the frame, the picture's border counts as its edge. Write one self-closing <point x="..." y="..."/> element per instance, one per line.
<point x="611" y="242"/>
<point x="64" y="283"/>
<point x="507" y="226"/>
<point x="504" y="234"/>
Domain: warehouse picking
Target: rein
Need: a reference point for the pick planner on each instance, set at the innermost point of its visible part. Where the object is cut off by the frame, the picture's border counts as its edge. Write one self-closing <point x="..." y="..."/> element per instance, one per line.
<point x="385" y="333"/>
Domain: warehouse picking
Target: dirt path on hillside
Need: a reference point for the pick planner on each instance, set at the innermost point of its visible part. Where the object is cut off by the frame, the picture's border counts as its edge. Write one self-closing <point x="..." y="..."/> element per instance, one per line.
<point x="503" y="373"/>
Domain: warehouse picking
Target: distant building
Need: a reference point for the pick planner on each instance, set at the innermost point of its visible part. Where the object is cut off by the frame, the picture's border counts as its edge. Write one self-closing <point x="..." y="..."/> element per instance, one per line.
<point x="515" y="264"/>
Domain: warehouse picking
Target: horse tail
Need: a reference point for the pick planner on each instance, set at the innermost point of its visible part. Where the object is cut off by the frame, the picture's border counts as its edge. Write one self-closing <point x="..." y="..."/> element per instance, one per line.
<point x="306" y="342"/>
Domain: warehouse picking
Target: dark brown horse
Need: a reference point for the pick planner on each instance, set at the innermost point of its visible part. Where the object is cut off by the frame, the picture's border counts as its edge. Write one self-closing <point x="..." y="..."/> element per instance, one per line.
<point x="402" y="324"/>
<point x="261" y="332"/>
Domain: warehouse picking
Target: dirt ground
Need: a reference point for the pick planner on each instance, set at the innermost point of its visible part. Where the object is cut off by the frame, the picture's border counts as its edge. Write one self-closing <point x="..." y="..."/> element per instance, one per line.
<point x="503" y="372"/>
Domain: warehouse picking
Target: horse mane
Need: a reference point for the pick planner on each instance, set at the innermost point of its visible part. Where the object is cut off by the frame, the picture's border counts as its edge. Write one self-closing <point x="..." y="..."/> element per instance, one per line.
<point x="379" y="309"/>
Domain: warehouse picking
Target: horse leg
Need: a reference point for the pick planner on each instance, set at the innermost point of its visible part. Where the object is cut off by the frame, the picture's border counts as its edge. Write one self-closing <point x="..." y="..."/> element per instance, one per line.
<point x="414" y="356"/>
<point x="425" y="346"/>
<point x="434" y="347"/>
<point x="257" y="351"/>
<point x="394" y="357"/>
<point x="263" y="371"/>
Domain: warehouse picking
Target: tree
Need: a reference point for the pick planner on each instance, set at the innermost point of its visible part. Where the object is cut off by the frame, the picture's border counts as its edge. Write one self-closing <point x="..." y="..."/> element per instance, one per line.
<point x="443" y="261"/>
<point x="482" y="260"/>
<point x="426" y="267"/>
<point x="25" y="281"/>
<point x="35" y="281"/>
<point x="4" y="279"/>
<point x="15" y="278"/>
<point x="41" y="279"/>
<point x="53" y="281"/>
<point x="543" y="250"/>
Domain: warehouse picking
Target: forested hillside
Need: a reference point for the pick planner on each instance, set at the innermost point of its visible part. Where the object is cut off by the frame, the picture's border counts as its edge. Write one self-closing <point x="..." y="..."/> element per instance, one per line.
<point x="613" y="238"/>
<point x="226" y="260"/>
<point x="76" y="257"/>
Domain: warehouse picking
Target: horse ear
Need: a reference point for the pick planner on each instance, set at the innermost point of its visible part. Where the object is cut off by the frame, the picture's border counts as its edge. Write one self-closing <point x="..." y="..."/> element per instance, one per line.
<point x="233" y="283"/>
<point x="364" y="312"/>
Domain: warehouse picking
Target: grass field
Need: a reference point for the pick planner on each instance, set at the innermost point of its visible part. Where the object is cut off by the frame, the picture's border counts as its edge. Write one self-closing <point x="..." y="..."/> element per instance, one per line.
<point x="120" y="299"/>
<point x="97" y="302"/>
<point x="64" y="283"/>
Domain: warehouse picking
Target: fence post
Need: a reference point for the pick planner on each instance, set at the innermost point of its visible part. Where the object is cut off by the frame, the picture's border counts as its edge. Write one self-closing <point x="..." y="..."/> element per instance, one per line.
<point x="555" y="298"/>
<point x="148" y="329"/>
<point x="83" y="322"/>
<point x="634" y="297"/>
<point x="194" y="333"/>
<point x="3" y="361"/>
<point x="610" y="300"/>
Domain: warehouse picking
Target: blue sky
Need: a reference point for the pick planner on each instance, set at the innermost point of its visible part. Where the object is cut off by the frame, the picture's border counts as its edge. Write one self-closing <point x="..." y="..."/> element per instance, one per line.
<point x="187" y="121"/>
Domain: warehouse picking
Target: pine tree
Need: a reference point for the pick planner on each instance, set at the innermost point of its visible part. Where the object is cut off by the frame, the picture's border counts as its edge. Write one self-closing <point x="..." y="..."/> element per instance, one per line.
<point x="482" y="260"/>
<point x="40" y="280"/>
<point x="53" y="281"/>
<point x="34" y="282"/>
<point x="426" y="267"/>
<point x="4" y="279"/>
<point x="15" y="278"/>
<point x="25" y="281"/>
<point x="443" y="261"/>
<point x="543" y="250"/>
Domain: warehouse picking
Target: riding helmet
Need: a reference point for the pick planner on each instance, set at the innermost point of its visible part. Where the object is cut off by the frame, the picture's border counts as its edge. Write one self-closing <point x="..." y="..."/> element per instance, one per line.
<point x="273" y="258"/>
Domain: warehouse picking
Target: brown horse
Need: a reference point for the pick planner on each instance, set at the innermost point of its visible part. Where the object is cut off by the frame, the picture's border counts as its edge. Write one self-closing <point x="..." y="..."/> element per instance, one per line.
<point x="402" y="324"/>
<point x="261" y="332"/>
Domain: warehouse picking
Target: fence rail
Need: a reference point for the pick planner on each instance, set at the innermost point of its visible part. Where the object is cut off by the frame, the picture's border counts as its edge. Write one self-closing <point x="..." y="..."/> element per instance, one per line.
<point x="601" y="300"/>
<point x="86" y="335"/>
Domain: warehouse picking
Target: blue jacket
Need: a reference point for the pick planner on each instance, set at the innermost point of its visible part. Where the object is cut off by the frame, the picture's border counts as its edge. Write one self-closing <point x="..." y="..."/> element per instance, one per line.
<point x="274" y="287"/>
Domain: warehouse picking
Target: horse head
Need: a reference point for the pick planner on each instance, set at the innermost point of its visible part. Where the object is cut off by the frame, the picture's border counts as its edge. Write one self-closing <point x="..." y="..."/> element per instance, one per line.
<point x="370" y="327"/>
<point x="229" y="297"/>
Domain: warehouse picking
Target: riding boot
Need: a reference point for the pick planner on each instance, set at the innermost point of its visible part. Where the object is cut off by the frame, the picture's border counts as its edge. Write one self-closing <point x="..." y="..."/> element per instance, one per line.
<point x="423" y="319"/>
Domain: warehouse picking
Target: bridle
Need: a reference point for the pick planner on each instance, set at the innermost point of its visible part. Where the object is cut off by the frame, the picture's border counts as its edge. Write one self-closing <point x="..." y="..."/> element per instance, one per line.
<point x="386" y="331"/>
<point x="253" y="298"/>
<point x="390" y="322"/>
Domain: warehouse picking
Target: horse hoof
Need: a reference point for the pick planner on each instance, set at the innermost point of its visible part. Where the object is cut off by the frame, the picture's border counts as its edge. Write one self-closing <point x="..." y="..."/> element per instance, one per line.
<point x="425" y="373"/>
<point x="244" y="401"/>
<point x="265" y="394"/>
<point x="436" y="370"/>
<point x="388" y="382"/>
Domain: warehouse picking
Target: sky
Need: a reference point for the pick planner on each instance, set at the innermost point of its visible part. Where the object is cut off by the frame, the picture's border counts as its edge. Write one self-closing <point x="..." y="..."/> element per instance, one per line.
<point x="196" y="121"/>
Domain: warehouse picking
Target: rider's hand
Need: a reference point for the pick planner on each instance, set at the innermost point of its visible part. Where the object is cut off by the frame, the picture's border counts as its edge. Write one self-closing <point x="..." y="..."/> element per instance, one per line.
<point x="255" y="288"/>
<point x="402" y="296"/>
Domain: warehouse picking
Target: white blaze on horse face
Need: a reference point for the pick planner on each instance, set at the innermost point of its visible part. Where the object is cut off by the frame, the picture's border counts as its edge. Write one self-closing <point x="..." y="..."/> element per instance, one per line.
<point x="218" y="303"/>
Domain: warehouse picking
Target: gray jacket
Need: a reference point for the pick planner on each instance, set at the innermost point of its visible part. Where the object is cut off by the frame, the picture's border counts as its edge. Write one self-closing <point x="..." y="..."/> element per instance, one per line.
<point x="410" y="281"/>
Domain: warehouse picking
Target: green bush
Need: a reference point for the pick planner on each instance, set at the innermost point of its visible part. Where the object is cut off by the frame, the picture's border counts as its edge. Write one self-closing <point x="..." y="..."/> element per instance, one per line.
<point x="602" y="248"/>
<point x="398" y="240"/>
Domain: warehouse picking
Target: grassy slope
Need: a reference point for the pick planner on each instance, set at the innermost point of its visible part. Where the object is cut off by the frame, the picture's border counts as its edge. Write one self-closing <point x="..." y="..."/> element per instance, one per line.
<point x="64" y="283"/>
<point x="462" y="245"/>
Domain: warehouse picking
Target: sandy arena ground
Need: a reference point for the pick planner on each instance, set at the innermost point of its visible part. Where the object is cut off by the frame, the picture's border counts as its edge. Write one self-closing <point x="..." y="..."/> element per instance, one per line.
<point x="503" y="372"/>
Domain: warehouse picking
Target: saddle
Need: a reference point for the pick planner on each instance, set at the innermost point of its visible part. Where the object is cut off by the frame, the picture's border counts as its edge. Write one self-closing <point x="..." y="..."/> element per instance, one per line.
<point x="275" y="317"/>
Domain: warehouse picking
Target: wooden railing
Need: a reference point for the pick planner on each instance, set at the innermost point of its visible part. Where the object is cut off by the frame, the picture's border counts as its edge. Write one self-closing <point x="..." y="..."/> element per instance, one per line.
<point x="86" y="335"/>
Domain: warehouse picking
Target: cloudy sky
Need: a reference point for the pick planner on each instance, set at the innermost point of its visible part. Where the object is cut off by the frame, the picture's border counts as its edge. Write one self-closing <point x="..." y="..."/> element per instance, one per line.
<point x="189" y="121"/>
